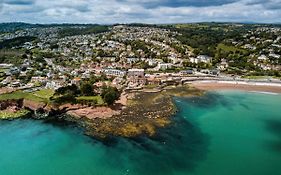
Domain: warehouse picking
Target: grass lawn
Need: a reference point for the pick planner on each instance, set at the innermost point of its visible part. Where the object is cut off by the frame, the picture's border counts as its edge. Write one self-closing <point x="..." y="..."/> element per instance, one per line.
<point x="92" y="98"/>
<point x="151" y="86"/>
<point x="13" y="115"/>
<point x="3" y="70"/>
<point x="230" y="48"/>
<point x="38" y="96"/>
<point x="44" y="93"/>
<point x="191" y="26"/>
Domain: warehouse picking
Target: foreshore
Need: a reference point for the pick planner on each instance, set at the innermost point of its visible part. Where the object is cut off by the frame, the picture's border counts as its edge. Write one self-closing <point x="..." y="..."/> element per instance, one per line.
<point x="144" y="113"/>
<point x="213" y="85"/>
<point x="137" y="112"/>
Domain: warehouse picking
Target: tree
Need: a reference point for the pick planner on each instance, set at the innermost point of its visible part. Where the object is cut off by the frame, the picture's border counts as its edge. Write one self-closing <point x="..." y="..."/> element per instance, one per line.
<point x="110" y="94"/>
<point x="110" y="97"/>
<point x="72" y="89"/>
<point x="87" y="89"/>
<point x="67" y="98"/>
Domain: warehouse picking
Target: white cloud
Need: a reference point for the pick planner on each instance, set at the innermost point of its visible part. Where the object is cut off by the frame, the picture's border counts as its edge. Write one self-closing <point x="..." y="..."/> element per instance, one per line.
<point x="128" y="11"/>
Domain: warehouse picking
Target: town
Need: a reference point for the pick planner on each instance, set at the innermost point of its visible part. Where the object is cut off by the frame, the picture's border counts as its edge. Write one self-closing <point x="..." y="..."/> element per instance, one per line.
<point x="133" y="57"/>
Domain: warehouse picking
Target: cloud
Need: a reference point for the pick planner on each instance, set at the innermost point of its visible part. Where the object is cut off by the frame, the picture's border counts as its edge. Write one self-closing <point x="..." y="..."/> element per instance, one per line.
<point x="177" y="3"/>
<point x="269" y="4"/>
<point x="143" y="11"/>
<point x="19" y="2"/>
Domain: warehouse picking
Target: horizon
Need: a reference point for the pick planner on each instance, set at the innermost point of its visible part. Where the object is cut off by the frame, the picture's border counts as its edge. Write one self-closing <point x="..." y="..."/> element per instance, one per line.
<point x="143" y="11"/>
<point x="136" y="23"/>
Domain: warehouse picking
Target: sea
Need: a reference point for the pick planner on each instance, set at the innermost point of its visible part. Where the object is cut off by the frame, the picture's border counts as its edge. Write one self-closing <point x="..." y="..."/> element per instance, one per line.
<point x="219" y="133"/>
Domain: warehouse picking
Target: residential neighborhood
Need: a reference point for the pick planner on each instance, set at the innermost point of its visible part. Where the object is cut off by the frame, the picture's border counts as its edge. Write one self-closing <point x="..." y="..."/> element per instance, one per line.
<point x="131" y="57"/>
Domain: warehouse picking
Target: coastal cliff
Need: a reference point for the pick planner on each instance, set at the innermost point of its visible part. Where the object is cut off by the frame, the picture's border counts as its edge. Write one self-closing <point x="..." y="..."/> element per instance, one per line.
<point x="141" y="113"/>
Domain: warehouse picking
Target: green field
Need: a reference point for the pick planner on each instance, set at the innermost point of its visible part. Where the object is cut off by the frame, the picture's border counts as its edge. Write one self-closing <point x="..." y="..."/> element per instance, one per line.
<point x="98" y="99"/>
<point x="13" y="115"/>
<point x="191" y="26"/>
<point x="151" y="86"/>
<point x="3" y="70"/>
<point x="44" y="93"/>
<point x="38" y="96"/>
<point x="230" y="48"/>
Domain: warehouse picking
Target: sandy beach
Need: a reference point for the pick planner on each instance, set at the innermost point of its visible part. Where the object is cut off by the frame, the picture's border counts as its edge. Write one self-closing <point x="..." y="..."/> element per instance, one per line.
<point x="235" y="85"/>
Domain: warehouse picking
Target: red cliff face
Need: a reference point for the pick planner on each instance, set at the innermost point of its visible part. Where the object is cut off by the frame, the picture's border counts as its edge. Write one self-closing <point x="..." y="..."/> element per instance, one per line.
<point x="17" y="104"/>
<point x="34" y="106"/>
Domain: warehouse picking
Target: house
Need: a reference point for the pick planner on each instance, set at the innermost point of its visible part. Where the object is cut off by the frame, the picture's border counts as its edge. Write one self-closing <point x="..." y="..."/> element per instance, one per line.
<point x="205" y="71"/>
<point x="114" y="72"/>
<point x="136" y="73"/>
<point x="164" y="66"/>
<point x="76" y="81"/>
<point x="112" y="59"/>
<point x="152" y="80"/>
<point x="265" y="67"/>
<point x="223" y="65"/>
<point x="6" y="66"/>
<point x="136" y="77"/>
<point x="215" y="72"/>
<point x="15" y="84"/>
<point x="204" y="59"/>
<point x="6" y="81"/>
<point x="186" y="72"/>
<point x="262" y="58"/>
<point x="55" y="84"/>
<point x="274" y="55"/>
<point x="151" y="62"/>
<point x="117" y="81"/>
<point x="39" y="79"/>
<point x="13" y="71"/>
<point x="132" y="60"/>
<point x="194" y="60"/>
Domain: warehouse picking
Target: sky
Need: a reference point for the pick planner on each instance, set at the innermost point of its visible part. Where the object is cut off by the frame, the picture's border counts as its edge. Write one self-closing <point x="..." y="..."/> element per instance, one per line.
<point x="140" y="11"/>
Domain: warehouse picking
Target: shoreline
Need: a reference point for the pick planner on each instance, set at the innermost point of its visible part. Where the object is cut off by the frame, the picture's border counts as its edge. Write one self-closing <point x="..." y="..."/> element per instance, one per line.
<point x="135" y="113"/>
<point x="141" y="112"/>
<point x="237" y="85"/>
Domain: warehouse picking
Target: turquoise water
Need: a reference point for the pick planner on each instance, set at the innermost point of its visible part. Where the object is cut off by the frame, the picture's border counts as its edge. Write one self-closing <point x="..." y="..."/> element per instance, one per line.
<point x="221" y="133"/>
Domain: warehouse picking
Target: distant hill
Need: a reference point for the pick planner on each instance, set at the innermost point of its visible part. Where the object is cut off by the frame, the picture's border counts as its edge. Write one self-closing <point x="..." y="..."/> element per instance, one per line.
<point x="14" y="26"/>
<point x="10" y="27"/>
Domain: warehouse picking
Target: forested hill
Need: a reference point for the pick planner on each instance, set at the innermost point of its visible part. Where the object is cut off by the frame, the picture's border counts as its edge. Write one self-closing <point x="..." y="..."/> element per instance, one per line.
<point x="11" y="27"/>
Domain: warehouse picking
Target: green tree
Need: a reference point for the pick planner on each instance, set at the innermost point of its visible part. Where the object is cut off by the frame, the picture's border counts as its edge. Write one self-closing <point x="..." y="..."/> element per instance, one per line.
<point x="110" y="97"/>
<point x="72" y="89"/>
<point x="110" y="94"/>
<point x="87" y="89"/>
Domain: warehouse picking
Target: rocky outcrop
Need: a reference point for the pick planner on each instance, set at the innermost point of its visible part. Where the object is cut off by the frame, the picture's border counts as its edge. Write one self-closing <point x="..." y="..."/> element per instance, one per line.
<point x="11" y="103"/>
<point x="144" y="113"/>
<point x="93" y="112"/>
<point x="32" y="105"/>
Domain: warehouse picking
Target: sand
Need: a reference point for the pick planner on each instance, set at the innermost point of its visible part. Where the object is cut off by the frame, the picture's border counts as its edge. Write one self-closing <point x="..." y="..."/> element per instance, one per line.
<point x="233" y="85"/>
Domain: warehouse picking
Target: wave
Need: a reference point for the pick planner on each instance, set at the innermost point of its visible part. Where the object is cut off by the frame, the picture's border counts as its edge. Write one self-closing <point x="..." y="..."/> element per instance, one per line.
<point x="264" y="92"/>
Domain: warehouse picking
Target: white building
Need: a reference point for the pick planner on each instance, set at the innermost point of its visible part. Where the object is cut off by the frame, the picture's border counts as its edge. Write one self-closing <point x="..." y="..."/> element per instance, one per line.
<point x="164" y="66"/>
<point x="5" y="66"/>
<point x="223" y="65"/>
<point x="262" y="58"/>
<point x="204" y="59"/>
<point x="274" y="55"/>
<point x="114" y="72"/>
<point x="136" y="72"/>
<point x="132" y="60"/>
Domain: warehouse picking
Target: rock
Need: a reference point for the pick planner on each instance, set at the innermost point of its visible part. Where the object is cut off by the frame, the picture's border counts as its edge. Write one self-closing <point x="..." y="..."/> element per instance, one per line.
<point x="32" y="105"/>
